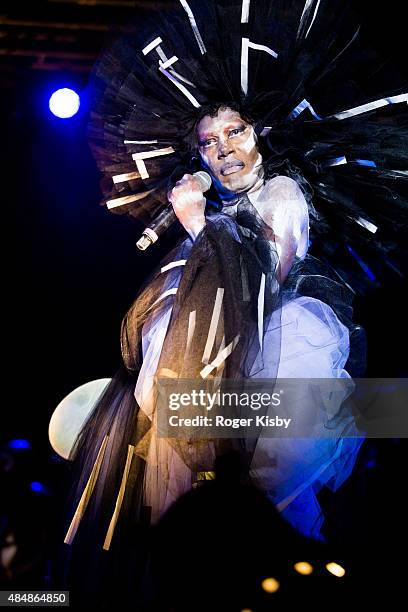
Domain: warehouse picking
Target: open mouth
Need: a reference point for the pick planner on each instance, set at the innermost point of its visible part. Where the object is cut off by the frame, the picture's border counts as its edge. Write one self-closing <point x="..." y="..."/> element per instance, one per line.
<point x="231" y="167"/>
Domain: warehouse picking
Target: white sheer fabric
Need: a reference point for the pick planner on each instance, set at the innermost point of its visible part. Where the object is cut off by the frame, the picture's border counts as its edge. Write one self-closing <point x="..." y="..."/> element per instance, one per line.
<point x="314" y="344"/>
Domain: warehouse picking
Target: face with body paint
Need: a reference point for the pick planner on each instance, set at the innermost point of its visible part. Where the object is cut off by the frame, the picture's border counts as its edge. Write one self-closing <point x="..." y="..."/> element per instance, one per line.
<point x="228" y="147"/>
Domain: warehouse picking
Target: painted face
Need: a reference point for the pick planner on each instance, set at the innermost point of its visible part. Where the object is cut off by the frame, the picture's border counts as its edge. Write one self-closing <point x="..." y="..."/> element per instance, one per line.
<point x="227" y="145"/>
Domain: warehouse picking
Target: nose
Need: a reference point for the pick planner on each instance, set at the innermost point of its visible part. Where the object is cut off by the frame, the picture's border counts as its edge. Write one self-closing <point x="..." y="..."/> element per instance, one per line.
<point x="224" y="148"/>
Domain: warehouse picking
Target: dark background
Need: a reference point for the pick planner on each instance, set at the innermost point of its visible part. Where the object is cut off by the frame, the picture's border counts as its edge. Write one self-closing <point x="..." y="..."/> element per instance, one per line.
<point x="71" y="268"/>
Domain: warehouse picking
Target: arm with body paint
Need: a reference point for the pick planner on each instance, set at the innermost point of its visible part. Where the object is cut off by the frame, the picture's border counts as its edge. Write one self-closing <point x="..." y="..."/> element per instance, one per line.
<point x="282" y="206"/>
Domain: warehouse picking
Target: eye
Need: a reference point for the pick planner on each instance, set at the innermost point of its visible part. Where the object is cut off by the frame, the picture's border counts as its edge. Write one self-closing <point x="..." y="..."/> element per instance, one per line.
<point x="207" y="143"/>
<point x="236" y="131"/>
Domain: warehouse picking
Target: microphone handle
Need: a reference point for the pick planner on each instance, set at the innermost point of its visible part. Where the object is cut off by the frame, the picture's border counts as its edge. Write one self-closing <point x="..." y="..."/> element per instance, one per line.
<point x="167" y="217"/>
<point x="150" y="234"/>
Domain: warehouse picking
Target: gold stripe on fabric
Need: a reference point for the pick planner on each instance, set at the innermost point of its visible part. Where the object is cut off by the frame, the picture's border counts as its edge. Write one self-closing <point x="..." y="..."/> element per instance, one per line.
<point x="221" y="357"/>
<point x="166" y="373"/>
<point x="119" y="500"/>
<point x="173" y="264"/>
<point x="206" y="475"/>
<point x="129" y="176"/>
<point x="127" y="199"/>
<point x="261" y="303"/>
<point x="161" y="297"/>
<point x="213" y="325"/>
<point x="190" y="329"/>
<point x="86" y="495"/>
<point x="154" y="153"/>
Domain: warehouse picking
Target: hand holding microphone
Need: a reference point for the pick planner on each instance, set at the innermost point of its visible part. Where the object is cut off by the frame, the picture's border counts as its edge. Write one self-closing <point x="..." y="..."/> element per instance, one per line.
<point x="188" y="205"/>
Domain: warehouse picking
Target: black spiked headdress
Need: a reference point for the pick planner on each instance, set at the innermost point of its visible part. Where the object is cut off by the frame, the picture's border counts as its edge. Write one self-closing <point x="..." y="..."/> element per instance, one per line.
<point x="325" y="105"/>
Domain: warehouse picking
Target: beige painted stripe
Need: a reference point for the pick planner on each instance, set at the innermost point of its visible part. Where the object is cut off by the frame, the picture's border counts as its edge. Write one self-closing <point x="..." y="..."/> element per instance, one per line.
<point x="173" y="264"/>
<point x="127" y="199"/>
<point x="261" y="305"/>
<point x="221" y="357"/>
<point x="129" y="176"/>
<point x="213" y="325"/>
<point x="86" y="495"/>
<point x="191" y="329"/>
<point x="119" y="499"/>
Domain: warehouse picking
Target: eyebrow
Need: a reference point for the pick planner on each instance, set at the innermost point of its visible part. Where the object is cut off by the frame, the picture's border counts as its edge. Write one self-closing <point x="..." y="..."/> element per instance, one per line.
<point x="228" y="126"/>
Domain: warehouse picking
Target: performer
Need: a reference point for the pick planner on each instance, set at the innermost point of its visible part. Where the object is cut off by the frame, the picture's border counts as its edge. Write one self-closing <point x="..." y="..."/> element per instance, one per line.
<point x="303" y="338"/>
<point x="262" y="101"/>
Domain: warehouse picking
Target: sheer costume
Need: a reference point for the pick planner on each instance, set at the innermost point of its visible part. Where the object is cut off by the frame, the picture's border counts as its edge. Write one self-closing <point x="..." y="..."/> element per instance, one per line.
<point x="303" y="338"/>
<point x="306" y="331"/>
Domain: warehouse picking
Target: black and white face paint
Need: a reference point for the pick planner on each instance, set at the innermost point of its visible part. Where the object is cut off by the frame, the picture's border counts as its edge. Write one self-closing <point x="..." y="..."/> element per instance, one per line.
<point x="228" y="147"/>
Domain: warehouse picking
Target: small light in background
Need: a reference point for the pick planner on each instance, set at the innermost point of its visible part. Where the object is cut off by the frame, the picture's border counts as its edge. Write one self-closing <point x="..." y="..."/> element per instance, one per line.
<point x="64" y="103"/>
<point x="270" y="585"/>
<point x="304" y="568"/>
<point x="19" y="443"/>
<point x="335" y="569"/>
<point x="37" y="487"/>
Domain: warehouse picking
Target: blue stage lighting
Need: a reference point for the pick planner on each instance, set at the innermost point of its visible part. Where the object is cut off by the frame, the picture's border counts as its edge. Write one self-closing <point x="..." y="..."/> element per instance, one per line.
<point x="37" y="487"/>
<point x="64" y="103"/>
<point x="19" y="443"/>
<point x="361" y="263"/>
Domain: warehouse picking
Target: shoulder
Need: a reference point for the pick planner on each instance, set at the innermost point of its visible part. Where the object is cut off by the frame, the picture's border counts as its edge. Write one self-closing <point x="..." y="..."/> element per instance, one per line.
<point x="283" y="187"/>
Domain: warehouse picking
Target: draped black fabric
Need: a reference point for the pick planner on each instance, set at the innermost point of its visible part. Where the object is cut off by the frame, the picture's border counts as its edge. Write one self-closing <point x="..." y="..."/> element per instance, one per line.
<point x="227" y="251"/>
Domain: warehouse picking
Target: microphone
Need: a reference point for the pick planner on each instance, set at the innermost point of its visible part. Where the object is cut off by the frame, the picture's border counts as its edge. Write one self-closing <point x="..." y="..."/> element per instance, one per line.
<point x="168" y="216"/>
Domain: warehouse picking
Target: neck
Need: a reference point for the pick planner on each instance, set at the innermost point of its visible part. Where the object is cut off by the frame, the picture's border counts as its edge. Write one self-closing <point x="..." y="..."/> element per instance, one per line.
<point x="253" y="192"/>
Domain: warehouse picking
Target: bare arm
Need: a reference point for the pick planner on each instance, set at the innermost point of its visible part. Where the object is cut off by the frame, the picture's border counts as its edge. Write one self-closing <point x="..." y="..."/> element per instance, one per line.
<point x="283" y="208"/>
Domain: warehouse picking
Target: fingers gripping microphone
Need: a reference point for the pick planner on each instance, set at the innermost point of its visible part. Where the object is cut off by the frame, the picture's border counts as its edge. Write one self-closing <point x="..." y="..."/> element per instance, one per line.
<point x="168" y="216"/>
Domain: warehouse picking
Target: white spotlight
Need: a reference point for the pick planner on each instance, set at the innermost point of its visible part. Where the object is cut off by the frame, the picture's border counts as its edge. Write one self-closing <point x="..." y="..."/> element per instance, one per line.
<point x="64" y="103"/>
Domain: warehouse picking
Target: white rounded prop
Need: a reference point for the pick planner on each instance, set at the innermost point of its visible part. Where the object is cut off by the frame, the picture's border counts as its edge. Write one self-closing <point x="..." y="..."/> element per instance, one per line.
<point x="71" y="413"/>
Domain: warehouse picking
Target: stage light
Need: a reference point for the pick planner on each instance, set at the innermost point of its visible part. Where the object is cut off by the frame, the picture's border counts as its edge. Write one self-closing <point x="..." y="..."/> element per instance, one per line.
<point x="37" y="487"/>
<point x="64" y="103"/>
<point x="361" y="263"/>
<point x="335" y="569"/>
<point x="270" y="585"/>
<point x="304" y="568"/>
<point x="19" y="444"/>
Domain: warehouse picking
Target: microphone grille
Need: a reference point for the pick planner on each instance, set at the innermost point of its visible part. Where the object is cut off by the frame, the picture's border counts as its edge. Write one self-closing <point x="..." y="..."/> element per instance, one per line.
<point x="204" y="179"/>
